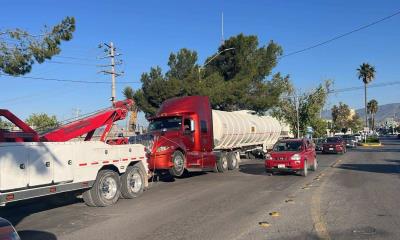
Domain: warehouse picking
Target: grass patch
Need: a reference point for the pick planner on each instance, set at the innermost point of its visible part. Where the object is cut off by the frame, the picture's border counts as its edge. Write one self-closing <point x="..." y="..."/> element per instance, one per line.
<point x="372" y="140"/>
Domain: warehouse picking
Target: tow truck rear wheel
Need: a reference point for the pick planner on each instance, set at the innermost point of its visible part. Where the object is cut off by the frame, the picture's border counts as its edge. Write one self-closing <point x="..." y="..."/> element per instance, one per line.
<point x="179" y="164"/>
<point x="222" y="163"/>
<point x="132" y="182"/>
<point x="232" y="161"/>
<point x="106" y="189"/>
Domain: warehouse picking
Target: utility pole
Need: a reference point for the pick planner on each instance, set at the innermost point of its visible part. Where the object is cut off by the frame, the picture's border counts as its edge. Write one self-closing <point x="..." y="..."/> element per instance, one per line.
<point x="110" y="50"/>
<point x="296" y="99"/>
<point x="222" y="29"/>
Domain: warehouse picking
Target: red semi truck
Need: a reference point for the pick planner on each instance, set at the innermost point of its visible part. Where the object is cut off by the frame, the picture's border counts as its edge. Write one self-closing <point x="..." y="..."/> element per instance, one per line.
<point x="186" y="134"/>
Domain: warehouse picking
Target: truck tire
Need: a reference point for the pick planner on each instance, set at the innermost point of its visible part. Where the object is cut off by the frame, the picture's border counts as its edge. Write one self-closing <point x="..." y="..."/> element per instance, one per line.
<point x="179" y="164"/>
<point x="314" y="167"/>
<point x="232" y="161"/>
<point x="222" y="163"/>
<point x="132" y="182"/>
<point x="304" y="172"/>
<point x="87" y="198"/>
<point x="106" y="189"/>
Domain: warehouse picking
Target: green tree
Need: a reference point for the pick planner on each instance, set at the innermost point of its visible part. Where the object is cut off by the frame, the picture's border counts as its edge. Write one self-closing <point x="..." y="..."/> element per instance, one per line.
<point x="42" y="122"/>
<point x="5" y="124"/>
<point x="19" y="50"/>
<point x="309" y="107"/>
<point x="343" y="119"/>
<point x="129" y="93"/>
<point x="238" y="79"/>
<point x="366" y="73"/>
<point x="372" y="108"/>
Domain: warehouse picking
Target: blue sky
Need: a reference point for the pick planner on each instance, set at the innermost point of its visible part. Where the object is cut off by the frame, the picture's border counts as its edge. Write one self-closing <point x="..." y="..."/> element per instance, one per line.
<point x="147" y="32"/>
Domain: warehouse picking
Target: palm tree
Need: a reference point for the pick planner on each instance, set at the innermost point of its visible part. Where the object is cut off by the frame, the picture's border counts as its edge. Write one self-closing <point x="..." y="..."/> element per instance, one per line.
<point x="129" y="94"/>
<point x="366" y="73"/>
<point x="372" y="108"/>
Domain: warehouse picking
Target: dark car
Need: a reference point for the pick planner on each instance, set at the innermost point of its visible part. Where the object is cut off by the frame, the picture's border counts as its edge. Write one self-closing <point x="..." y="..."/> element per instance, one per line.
<point x="334" y="145"/>
<point x="318" y="143"/>
<point x="350" y="141"/>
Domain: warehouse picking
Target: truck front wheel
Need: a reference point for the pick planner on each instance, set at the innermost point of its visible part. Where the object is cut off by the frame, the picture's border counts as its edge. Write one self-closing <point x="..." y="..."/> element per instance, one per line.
<point x="178" y="168"/>
<point x="132" y="182"/>
<point x="105" y="191"/>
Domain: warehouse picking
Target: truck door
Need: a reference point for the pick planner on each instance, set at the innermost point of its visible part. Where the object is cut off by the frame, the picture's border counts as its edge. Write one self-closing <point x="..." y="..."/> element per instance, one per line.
<point x="192" y="156"/>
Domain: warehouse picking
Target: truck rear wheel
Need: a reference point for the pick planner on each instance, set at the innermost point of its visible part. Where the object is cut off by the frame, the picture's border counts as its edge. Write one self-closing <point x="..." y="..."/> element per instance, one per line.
<point x="87" y="198"/>
<point x="179" y="164"/>
<point x="232" y="161"/>
<point x="222" y="163"/>
<point x="132" y="182"/>
<point x="106" y="189"/>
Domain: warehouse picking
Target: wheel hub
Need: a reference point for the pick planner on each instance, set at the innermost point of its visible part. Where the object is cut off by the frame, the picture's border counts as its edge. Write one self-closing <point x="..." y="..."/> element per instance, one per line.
<point x="135" y="182"/>
<point x="109" y="188"/>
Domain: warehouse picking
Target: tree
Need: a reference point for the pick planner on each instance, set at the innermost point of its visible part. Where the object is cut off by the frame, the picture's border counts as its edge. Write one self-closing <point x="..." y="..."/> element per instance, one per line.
<point x="343" y="118"/>
<point x="309" y="106"/>
<point x="366" y="73"/>
<point x="233" y="80"/>
<point x="19" y="50"/>
<point x="372" y="108"/>
<point x="5" y="124"/>
<point x="42" y="122"/>
<point x="129" y="94"/>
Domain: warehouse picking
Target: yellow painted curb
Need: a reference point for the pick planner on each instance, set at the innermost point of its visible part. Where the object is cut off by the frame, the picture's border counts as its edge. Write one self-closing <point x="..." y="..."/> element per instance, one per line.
<point x="371" y="144"/>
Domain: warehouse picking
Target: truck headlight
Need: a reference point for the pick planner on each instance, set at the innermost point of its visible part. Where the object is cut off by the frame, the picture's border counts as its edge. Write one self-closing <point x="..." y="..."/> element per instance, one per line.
<point x="162" y="148"/>
<point x="295" y="157"/>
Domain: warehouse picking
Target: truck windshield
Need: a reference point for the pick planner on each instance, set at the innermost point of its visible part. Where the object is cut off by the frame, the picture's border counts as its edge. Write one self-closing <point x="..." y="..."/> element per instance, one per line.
<point x="291" y="146"/>
<point x="170" y="123"/>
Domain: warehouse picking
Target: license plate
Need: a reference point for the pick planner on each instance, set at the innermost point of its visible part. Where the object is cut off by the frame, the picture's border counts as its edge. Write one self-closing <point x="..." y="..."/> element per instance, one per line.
<point x="281" y="165"/>
<point x="330" y="149"/>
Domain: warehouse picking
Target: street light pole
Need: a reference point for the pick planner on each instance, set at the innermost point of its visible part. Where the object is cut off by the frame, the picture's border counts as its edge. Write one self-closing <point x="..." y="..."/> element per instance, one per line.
<point x="215" y="55"/>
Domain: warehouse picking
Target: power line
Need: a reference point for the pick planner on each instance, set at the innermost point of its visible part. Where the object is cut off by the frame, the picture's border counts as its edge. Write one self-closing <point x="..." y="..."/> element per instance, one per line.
<point x="341" y="35"/>
<point x="73" y="63"/>
<point x="77" y="58"/>
<point x="66" y="80"/>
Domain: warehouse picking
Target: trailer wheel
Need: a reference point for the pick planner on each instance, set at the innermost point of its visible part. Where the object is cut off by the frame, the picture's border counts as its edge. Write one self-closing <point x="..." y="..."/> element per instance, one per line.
<point x="222" y="163"/>
<point x="232" y="161"/>
<point x="106" y="189"/>
<point x="179" y="164"/>
<point x="132" y="182"/>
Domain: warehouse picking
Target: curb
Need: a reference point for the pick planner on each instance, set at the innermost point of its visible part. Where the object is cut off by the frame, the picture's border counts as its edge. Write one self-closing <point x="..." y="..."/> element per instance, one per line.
<point x="371" y="144"/>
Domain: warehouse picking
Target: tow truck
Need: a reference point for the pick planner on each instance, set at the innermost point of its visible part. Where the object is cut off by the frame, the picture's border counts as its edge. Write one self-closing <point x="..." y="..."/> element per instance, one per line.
<point x="34" y="164"/>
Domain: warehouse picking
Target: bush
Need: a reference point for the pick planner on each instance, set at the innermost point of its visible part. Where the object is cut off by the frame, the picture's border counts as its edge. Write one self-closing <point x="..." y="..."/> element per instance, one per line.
<point x="372" y="139"/>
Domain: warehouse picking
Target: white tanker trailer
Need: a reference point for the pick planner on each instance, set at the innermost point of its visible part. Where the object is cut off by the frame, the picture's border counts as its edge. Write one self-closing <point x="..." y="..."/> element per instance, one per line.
<point x="243" y="130"/>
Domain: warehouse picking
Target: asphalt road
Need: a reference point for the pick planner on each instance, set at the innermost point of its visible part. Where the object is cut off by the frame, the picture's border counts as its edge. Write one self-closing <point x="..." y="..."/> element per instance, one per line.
<point x="351" y="196"/>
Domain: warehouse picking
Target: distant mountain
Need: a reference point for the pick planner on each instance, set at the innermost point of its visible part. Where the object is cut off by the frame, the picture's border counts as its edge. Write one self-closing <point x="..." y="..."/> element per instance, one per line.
<point x="384" y="111"/>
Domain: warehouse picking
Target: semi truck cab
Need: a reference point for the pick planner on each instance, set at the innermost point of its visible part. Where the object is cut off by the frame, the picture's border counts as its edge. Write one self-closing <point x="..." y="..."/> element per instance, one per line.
<point x="182" y="135"/>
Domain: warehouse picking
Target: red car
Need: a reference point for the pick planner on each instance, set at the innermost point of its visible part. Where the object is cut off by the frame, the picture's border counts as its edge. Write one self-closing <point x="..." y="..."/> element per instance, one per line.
<point x="292" y="155"/>
<point x="334" y="145"/>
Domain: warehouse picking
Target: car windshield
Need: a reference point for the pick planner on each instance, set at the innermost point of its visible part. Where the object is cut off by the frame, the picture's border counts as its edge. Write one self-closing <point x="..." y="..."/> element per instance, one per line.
<point x="333" y="139"/>
<point x="289" y="146"/>
<point x="169" y="123"/>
